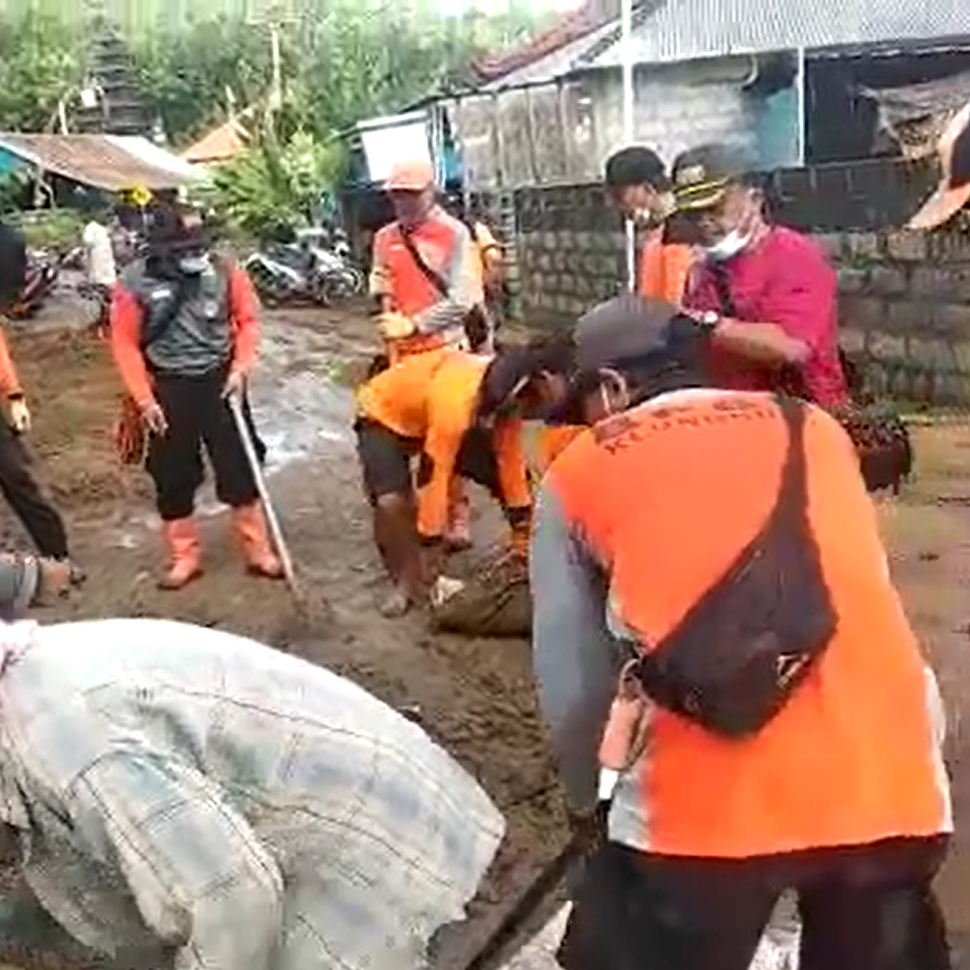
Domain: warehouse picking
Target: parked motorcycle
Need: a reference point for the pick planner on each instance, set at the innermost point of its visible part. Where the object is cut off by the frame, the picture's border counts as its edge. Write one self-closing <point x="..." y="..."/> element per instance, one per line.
<point x="306" y="271"/>
<point x="43" y="270"/>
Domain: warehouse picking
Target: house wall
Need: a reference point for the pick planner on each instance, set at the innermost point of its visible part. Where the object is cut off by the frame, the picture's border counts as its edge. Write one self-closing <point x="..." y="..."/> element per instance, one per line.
<point x="905" y="297"/>
<point x="679" y="106"/>
<point x="675" y="107"/>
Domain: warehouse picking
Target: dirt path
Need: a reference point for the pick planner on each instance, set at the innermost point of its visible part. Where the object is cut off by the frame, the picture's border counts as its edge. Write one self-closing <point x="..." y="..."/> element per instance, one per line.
<point x="476" y="696"/>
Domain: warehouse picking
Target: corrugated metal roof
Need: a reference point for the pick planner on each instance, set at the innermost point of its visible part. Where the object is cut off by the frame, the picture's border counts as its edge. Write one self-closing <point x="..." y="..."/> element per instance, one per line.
<point x="684" y="30"/>
<point x="95" y="160"/>
<point x="154" y="155"/>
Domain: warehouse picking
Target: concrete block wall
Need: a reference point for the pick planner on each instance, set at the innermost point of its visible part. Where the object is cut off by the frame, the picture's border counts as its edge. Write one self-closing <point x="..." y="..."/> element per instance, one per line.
<point x="675" y="107"/>
<point x="905" y="310"/>
<point x="570" y="249"/>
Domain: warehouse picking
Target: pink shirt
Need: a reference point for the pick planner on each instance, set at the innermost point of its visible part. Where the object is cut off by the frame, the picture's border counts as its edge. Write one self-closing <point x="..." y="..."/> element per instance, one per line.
<point x="785" y="280"/>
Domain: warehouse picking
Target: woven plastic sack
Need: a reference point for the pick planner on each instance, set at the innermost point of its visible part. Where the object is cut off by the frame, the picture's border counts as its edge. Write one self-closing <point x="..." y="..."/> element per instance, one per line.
<point x="493" y="602"/>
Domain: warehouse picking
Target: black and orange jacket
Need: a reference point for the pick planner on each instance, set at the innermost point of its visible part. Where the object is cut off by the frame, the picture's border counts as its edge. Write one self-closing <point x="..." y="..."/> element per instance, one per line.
<point x="10" y="386"/>
<point x="432" y="398"/>
<point x="127" y="343"/>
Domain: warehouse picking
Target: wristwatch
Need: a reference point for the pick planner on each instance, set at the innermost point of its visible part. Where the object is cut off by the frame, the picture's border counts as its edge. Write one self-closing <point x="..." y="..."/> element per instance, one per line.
<point x="708" y="320"/>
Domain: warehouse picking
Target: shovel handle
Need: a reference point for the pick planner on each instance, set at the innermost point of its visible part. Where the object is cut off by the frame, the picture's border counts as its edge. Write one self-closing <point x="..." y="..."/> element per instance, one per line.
<point x="272" y="521"/>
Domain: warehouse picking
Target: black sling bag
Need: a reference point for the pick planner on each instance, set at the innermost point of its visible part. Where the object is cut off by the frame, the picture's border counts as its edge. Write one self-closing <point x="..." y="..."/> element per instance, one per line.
<point x="741" y="651"/>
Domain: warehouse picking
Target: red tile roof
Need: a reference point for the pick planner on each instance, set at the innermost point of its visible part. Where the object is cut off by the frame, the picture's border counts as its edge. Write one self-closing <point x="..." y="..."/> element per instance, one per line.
<point x="569" y="28"/>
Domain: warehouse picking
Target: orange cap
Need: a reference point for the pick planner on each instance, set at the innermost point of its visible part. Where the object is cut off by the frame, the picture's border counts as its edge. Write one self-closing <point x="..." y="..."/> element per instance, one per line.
<point x="948" y="199"/>
<point x="411" y="175"/>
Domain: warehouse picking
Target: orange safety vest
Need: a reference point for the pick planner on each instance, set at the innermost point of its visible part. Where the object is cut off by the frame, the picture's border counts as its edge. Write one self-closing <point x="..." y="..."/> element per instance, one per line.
<point x="664" y="497"/>
<point x="664" y="268"/>
<point x="395" y="273"/>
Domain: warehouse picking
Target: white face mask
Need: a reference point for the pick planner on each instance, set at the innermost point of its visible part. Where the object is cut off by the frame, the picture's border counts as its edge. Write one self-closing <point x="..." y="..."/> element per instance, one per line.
<point x="195" y="265"/>
<point x="654" y="215"/>
<point x="727" y="246"/>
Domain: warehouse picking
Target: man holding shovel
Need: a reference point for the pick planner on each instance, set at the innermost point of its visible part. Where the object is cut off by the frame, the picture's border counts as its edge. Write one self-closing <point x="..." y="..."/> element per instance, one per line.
<point x="184" y="333"/>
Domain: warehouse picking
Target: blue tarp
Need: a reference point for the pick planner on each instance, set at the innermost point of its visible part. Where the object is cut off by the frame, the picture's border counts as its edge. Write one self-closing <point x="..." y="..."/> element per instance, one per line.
<point x="10" y="162"/>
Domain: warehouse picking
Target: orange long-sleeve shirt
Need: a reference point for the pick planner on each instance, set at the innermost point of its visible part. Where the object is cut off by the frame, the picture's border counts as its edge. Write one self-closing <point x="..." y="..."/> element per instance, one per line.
<point x="664" y="268"/>
<point x="127" y="326"/>
<point x="9" y="379"/>
<point x="431" y="398"/>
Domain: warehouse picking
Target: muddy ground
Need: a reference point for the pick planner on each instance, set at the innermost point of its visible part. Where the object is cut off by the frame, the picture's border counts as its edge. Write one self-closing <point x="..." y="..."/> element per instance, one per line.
<point x="476" y="696"/>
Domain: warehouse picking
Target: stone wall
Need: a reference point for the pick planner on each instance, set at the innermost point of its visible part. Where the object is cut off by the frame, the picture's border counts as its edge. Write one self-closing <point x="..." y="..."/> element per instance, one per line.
<point x="570" y="252"/>
<point x="905" y="297"/>
<point x="905" y="311"/>
<point x="676" y="106"/>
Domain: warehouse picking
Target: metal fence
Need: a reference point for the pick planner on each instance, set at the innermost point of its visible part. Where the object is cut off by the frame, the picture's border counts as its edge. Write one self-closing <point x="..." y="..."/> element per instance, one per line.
<point x="535" y="135"/>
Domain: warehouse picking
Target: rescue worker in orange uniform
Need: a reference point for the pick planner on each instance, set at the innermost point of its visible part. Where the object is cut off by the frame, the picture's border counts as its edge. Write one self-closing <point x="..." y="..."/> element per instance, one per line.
<point x="184" y="334"/>
<point x="486" y="319"/>
<point x="424" y="270"/>
<point x="426" y="273"/>
<point x="841" y="795"/>
<point x="639" y="187"/>
<point x="459" y="414"/>
<point x="18" y="485"/>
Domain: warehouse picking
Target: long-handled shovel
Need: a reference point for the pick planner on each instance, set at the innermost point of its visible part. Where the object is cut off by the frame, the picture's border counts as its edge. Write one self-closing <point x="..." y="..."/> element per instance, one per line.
<point x="300" y="598"/>
<point x="543" y="890"/>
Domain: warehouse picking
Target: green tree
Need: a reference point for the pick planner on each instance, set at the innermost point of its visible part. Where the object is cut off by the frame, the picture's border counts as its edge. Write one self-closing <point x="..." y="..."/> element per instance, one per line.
<point x="40" y="63"/>
<point x="189" y="72"/>
<point x="341" y="61"/>
<point x="277" y="182"/>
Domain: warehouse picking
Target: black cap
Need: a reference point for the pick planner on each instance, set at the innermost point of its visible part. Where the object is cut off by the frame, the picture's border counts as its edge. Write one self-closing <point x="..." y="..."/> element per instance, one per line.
<point x="177" y="228"/>
<point x="624" y="330"/>
<point x="636" y="165"/>
<point x="702" y="175"/>
<point x="512" y="368"/>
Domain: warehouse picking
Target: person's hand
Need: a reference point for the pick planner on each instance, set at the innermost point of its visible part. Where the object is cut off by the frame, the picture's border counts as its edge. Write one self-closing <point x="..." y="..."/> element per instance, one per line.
<point x="235" y="384"/>
<point x="395" y="326"/>
<point x="55" y="580"/>
<point x="154" y="417"/>
<point x="19" y="415"/>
